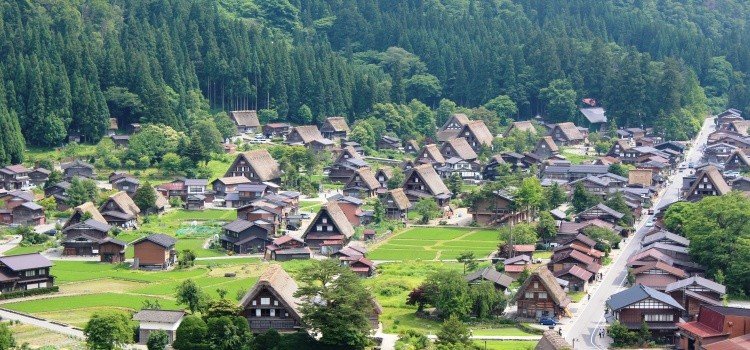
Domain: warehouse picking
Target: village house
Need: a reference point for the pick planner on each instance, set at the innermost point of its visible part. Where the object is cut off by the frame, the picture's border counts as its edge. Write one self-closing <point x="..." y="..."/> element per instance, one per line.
<point x="335" y="128"/>
<point x="396" y="204"/>
<point x="520" y="126"/>
<point x="389" y="143"/>
<point x="246" y="237"/>
<point x="564" y="259"/>
<point x="271" y="304"/>
<point x="246" y="121"/>
<point x="286" y="248"/>
<point x="737" y="161"/>
<point x="718" y="152"/>
<point x="112" y="129"/>
<point x="595" y="116"/>
<point x="156" y="251"/>
<point x="345" y="165"/>
<point x="352" y="208"/>
<point x="122" y="141"/>
<point x="499" y="280"/>
<point x="582" y="244"/>
<point x="546" y="148"/>
<point x="466" y="170"/>
<point x="602" y="212"/>
<point x="411" y="147"/>
<point x="15" y="198"/>
<point x="741" y="184"/>
<point x="120" y="210"/>
<point x="38" y="177"/>
<point x="383" y="175"/>
<point x="694" y="291"/>
<point x="513" y="250"/>
<point x="491" y="170"/>
<point x="573" y="172"/>
<point x="77" y="168"/>
<point x="158" y="320"/>
<point x="477" y="135"/>
<point x="707" y="182"/>
<point x="515" y="265"/>
<point x="541" y="296"/>
<point x="304" y="135"/>
<point x="728" y="115"/>
<point x="458" y="148"/>
<point x="28" y="214"/>
<point x="577" y="277"/>
<point x="15" y="177"/>
<point x="423" y="182"/>
<point x="329" y="231"/>
<point x="498" y="208"/>
<point x="566" y="134"/>
<point x="59" y="192"/>
<point x="663" y="236"/>
<point x="430" y="154"/>
<point x="551" y="340"/>
<point x="640" y="304"/>
<point x="124" y="182"/>
<point x="223" y="186"/>
<point x="91" y="238"/>
<point x="717" y="327"/>
<point x="256" y="165"/>
<point x="25" y="272"/>
<point x="276" y="130"/>
<point x="245" y="194"/>
<point x="452" y="127"/>
<point x="84" y="212"/>
<point x="657" y="275"/>
<point x="641" y="177"/>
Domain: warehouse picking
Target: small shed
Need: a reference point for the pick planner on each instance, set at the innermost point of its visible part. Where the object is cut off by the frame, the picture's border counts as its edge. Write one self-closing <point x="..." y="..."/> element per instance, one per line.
<point x="158" y="320"/>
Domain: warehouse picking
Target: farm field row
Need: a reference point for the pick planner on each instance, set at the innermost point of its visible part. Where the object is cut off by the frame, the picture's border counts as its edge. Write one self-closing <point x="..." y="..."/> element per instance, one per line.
<point x="430" y="243"/>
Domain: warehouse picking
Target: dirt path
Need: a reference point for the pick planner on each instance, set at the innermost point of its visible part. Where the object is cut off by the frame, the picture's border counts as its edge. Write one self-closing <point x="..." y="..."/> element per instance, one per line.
<point x="440" y="251"/>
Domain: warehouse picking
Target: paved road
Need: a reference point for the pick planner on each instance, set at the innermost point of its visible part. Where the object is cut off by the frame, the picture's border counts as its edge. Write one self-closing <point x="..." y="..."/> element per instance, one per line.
<point x="589" y="319"/>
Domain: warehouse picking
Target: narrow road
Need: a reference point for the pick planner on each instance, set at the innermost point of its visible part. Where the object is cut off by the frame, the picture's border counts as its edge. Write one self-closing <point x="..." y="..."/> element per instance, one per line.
<point x="55" y="327"/>
<point x="582" y="331"/>
<point x="12" y="243"/>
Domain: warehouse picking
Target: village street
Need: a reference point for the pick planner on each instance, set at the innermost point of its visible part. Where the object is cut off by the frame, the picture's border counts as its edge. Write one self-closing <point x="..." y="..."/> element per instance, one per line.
<point x="583" y="330"/>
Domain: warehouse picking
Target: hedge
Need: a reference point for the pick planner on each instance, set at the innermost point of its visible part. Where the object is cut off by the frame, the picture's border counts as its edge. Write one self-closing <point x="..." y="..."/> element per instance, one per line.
<point x="30" y="292"/>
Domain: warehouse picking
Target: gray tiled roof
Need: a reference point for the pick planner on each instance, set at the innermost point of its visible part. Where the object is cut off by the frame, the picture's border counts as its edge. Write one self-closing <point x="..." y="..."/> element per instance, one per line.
<point x="159" y="316"/>
<point x="637" y="293"/>
<point x="158" y="238"/>
<point x="25" y="261"/>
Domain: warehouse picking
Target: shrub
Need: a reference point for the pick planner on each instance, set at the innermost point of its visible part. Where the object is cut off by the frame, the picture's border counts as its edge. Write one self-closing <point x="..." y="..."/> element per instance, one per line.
<point x="30" y="292"/>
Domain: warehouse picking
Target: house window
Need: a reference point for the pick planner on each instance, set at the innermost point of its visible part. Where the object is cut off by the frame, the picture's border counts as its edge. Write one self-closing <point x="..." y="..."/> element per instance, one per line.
<point x="330" y="228"/>
<point x="29" y="273"/>
<point x="529" y="295"/>
<point x="536" y="284"/>
<point x="41" y="272"/>
<point x="275" y="303"/>
<point x="658" y="318"/>
<point x="319" y="228"/>
<point x="325" y="220"/>
<point x="265" y="301"/>
<point x="542" y="295"/>
<point x="255" y="302"/>
<point x="257" y="312"/>
<point x="273" y="312"/>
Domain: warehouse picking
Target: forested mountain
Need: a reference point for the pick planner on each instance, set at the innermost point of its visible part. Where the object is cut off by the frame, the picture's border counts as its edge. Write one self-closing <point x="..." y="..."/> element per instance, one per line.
<point x="67" y="66"/>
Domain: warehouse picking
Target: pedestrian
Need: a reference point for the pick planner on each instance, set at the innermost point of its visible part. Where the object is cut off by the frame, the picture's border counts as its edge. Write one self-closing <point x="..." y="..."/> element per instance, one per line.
<point x="589" y="296"/>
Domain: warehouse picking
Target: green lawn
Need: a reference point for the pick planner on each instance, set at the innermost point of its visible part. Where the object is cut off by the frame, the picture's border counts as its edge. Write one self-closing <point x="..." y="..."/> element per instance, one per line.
<point x="310" y="206"/>
<point x="200" y="215"/>
<point x="576" y="296"/>
<point x="34" y="248"/>
<point x="576" y="158"/>
<point x="427" y="243"/>
<point x="543" y="254"/>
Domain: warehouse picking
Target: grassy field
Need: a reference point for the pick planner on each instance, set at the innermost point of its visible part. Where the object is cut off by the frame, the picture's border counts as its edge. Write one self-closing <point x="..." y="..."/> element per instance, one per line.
<point x="429" y="243"/>
<point x="86" y="287"/>
<point x="37" y="337"/>
<point x="34" y="248"/>
<point x="310" y="206"/>
<point x="577" y="157"/>
<point x="505" y="345"/>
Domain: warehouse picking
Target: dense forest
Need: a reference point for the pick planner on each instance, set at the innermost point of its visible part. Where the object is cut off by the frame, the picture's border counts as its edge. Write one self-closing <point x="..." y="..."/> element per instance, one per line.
<point x="67" y="66"/>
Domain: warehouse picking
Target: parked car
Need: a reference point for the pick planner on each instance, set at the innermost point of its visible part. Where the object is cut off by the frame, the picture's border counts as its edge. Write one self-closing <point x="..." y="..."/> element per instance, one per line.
<point x="691" y="165"/>
<point x="547" y="321"/>
<point x="650" y="223"/>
